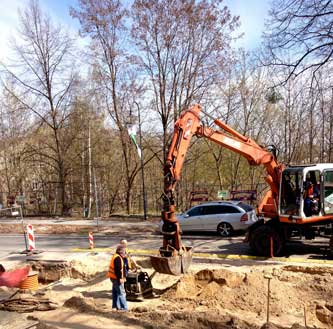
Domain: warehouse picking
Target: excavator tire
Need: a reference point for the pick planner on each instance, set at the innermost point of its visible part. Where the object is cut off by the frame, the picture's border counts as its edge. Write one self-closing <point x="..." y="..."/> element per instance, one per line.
<point x="260" y="241"/>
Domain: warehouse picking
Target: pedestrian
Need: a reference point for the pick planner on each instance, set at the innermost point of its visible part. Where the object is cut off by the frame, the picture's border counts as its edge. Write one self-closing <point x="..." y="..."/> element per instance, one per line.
<point x="130" y="263"/>
<point x="117" y="275"/>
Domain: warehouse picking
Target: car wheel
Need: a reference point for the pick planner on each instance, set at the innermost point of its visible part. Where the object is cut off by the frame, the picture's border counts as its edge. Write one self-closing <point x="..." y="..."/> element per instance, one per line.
<point x="225" y="229"/>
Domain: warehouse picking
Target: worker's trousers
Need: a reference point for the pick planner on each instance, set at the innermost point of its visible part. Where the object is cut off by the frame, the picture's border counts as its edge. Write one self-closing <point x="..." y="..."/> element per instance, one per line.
<point x="118" y="296"/>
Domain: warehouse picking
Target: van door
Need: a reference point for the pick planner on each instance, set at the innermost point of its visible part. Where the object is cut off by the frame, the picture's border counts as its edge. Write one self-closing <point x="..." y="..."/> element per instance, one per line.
<point x="327" y="191"/>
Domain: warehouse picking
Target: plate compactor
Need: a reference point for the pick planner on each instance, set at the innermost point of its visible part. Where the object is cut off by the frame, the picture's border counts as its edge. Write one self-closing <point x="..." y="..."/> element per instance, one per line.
<point x="138" y="286"/>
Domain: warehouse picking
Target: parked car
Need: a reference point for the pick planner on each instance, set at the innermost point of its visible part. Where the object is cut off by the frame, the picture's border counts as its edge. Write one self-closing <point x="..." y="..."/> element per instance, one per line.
<point x="223" y="217"/>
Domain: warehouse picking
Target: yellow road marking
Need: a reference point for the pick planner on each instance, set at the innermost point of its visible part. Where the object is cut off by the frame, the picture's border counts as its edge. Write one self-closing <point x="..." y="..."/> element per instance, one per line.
<point x="216" y="256"/>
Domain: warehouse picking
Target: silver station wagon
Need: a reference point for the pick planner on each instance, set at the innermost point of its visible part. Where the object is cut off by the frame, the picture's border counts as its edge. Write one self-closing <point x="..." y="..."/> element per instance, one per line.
<point x="223" y="217"/>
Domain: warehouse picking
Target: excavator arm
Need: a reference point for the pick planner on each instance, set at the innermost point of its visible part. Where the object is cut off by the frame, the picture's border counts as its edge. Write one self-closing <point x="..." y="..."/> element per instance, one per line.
<point x="174" y="257"/>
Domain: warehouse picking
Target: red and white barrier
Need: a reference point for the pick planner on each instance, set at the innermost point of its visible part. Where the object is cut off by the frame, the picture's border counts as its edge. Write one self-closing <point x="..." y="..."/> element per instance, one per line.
<point x="91" y="240"/>
<point x="31" y="237"/>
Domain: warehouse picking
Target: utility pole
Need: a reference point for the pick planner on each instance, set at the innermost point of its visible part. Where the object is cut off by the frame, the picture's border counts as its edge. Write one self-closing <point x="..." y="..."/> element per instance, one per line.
<point x="96" y="197"/>
<point x="142" y="170"/>
<point x="90" y="172"/>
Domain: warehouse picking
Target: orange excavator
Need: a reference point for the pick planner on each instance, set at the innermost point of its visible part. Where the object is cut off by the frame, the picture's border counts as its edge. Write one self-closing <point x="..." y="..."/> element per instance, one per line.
<point x="299" y="199"/>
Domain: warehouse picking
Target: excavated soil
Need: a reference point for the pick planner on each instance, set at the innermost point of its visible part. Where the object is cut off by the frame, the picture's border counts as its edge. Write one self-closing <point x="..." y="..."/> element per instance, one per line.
<point x="293" y="290"/>
<point x="209" y="296"/>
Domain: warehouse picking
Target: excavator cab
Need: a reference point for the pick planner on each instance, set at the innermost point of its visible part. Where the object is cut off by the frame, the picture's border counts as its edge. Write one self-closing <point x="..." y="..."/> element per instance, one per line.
<point x="306" y="193"/>
<point x="304" y="207"/>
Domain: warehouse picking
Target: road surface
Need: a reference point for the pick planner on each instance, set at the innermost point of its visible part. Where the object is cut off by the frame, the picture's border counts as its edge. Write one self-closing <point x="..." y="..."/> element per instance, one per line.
<point x="14" y="243"/>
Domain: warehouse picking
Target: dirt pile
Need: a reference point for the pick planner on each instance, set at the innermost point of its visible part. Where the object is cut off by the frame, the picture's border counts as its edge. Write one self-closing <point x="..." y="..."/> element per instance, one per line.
<point x="236" y="292"/>
<point x="184" y="320"/>
<point x="54" y="270"/>
<point x="221" y="296"/>
<point x="50" y="270"/>
<point x="324" y="313"/>
<point x="214" y="298"/>
<point x="82" y="304"/>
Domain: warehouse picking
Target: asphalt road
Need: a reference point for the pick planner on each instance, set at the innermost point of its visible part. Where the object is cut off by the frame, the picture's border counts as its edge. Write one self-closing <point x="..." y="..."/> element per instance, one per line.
<point x="11" y="243"/>
<point x="14" y="243"/>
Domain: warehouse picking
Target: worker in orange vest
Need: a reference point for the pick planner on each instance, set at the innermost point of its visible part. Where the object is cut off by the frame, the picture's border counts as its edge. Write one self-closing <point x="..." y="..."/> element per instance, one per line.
<point x="117" y="275"/>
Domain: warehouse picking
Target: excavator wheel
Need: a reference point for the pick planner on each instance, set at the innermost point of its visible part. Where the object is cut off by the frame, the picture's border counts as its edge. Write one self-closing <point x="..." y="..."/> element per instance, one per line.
<point x="261" y="239"/>
<point x="168" y="263"/>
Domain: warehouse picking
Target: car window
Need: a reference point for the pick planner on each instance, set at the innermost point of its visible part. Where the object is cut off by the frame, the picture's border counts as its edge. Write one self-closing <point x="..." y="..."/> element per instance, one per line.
<point x="230" y="210"/>
<point x="195" y="211"/>
<point x="211" y="210"/>
<point x="245" y="206"/>
<point x="219" y="209"/>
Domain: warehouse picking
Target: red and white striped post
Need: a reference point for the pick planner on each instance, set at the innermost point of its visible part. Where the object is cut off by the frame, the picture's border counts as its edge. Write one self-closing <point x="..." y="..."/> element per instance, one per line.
<point x="91" y="240"/>
<point x="31" y="237"/>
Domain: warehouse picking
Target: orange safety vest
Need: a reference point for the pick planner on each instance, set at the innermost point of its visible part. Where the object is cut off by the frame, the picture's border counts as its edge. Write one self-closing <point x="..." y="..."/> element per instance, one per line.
<point x="111" y="273"/>
<point x="309" y="192"/>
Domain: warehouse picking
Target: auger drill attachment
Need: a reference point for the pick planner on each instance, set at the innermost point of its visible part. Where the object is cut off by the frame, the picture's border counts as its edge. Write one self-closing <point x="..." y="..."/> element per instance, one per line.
<point x="174" y="257"/>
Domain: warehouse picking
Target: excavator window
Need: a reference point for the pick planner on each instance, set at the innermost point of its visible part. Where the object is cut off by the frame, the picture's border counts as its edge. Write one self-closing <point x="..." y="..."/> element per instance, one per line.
<point x="311" y="193"/>
<point x="328" y="191"/>
<point x="291" y="192"/>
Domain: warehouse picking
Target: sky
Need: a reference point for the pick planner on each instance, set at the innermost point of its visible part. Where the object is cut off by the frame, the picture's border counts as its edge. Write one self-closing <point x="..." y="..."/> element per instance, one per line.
<point x="252" y="14"/>
<point x="252" y="17"/>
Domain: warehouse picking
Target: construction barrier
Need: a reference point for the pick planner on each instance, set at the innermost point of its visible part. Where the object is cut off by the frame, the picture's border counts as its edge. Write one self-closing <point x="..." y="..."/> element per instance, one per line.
<point x="91" y="240"/>
<point x="31" y="237"/>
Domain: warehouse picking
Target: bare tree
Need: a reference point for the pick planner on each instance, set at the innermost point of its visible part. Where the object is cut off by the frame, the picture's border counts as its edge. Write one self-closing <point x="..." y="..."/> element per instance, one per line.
<point x="104" y="22"/>
<point x="300" y="35"/>
<point x="42" y="72"/>
<point x="183" y="49"/>
<point x="13" y="132"/>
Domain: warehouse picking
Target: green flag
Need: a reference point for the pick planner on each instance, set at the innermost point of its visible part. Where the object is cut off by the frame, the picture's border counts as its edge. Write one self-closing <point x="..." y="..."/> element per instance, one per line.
<point x="132" y="134"/>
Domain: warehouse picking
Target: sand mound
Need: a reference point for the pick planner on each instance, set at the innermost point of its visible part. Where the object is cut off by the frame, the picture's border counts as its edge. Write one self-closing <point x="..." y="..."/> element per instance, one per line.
<point x="199" y="320"/>
<point x="84" y="305"/>
<point x="247" y="292"/>
<point x="86" y="268"/>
